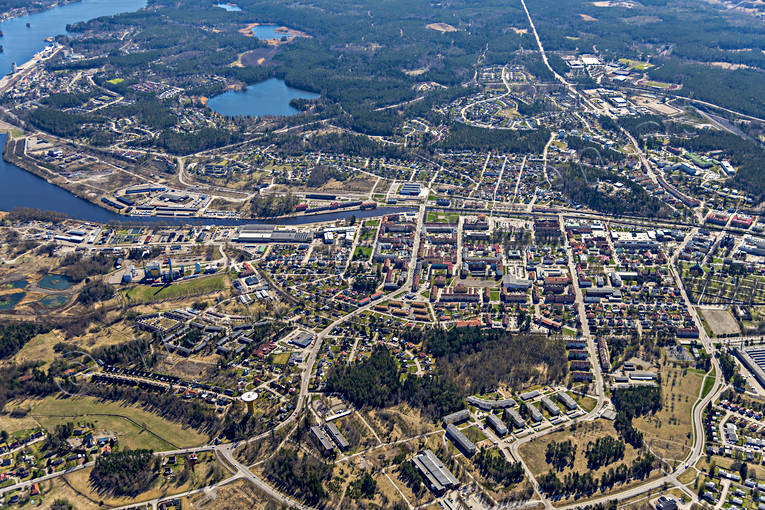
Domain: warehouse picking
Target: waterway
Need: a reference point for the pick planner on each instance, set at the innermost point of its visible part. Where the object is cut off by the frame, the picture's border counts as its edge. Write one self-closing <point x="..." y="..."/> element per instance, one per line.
<point x="23" y="189"/>
<point x="21" y="43"/>
<point x="269" y="97"/>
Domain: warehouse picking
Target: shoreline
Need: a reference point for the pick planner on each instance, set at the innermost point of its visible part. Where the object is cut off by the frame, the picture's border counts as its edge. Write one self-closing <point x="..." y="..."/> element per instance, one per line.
<point x="11" y="156"/>
<point x="20" y="12"/>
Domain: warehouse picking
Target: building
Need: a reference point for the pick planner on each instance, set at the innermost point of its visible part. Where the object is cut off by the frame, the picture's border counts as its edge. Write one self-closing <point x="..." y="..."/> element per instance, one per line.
<point x="494" y="422"/>
<point x="456" y="417"/>
<point x="565" y="399"/>
<point x="464" y="444"/>
<point x="438" y="477"/>
<point x="515" y="418"/>
<point x="534" y="413"/>
<point x="550" y="406"/>
<point x="337" y="436"/>
<point x="665" y="503"/>
<point x="322" y="439"/>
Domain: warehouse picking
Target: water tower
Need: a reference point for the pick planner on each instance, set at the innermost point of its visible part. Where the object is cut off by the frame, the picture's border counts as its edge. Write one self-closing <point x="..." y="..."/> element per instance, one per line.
<point x="249" y="398"/>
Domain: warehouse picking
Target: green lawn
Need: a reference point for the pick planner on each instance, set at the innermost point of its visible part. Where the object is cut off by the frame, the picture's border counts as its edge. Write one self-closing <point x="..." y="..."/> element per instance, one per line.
<point x="195" y="287"/>
<point x="709" y="382"/>
<point x="362" y="253"/>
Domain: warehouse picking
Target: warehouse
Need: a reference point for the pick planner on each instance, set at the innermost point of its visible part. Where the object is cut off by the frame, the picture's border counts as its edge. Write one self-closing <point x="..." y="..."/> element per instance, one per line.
<point x="439" y="478"/>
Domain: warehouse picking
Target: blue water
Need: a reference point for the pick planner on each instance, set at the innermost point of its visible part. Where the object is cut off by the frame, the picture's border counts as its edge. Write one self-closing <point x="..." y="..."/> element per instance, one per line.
<point x="229" y="7"/>
<point x="270" y="97"/>
<point x="55" y="282"/>
<point x="22" y="189"/>
<point x="264" y="32"/>
<point x="21" y="43"/>
<point x="10" y="300"/>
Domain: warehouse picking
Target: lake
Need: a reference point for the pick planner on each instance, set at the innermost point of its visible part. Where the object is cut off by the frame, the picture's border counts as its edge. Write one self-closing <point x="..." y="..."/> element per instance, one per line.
<point x="270" y="97"/>
<point x="21" y="43"/>
<point x="265" y="32"/>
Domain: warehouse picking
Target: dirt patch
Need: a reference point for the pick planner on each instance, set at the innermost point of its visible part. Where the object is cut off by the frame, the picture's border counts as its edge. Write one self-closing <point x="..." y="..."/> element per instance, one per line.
<point x="258" y="56"/>
<point x="721" y="322"/>
<point x="587" y="17"/>
<point x="728" y="65"/>
<point x="441" y="27"/>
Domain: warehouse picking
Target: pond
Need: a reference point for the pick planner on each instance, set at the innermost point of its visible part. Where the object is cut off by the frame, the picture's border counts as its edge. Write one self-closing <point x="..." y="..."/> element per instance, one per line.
<point x="270" y="97"/>
<point x="10" y="300"/>
<point x="229" y="7"/>
<point x="55" y="282"/>
<point x="265" y="32"/>
<point x="16" y="284"/>
<point x="54" y="301"/>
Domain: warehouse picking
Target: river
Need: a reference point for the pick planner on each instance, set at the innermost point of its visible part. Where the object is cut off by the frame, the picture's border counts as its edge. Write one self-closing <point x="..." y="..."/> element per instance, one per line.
<point x="22" y="189"/>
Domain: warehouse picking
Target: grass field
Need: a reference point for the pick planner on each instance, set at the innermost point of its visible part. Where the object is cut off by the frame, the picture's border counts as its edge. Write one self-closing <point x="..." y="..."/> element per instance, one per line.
<point x="668" y="432"/>
<point x="198" y="286"/>
<point x="533" y="452"/>
<point x="135" y="428"/>
<point x="709" y="382"/>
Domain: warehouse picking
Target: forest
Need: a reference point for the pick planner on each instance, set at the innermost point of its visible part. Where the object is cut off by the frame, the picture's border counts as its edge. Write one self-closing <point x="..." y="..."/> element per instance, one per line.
<point x="124" y="473"/>
<point x="578" y="182"/>
<point x="299" y="474"/>
<point x="375" y="382"/>
<point x="477" y="360"/>
<point x="14" y="336"/>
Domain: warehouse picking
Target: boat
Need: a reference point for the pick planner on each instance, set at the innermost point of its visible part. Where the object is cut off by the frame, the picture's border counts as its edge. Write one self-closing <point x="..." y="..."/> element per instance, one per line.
<point x="1" y="33"/>
<point x="28" y="25"/>
<point x="1" y="49"/>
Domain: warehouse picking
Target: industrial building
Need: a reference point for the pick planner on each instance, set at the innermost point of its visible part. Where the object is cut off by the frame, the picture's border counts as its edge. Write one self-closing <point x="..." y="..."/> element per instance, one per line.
<point x="753" y="359"/>
<point x="267" y="234"/>
<point x="438" y="477"/>
<point x="464" y="444"/>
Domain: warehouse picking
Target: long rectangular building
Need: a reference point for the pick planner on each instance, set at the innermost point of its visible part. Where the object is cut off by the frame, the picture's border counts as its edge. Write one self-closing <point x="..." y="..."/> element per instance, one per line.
<point x="337" y="436"/>
<point x="434" y="471"/>
<point x="463" y="443"/>
<point x="499" y="427"/>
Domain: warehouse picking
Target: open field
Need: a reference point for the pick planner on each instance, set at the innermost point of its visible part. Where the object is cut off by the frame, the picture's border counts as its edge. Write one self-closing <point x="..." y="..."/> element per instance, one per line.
<point x="134" y="427"/>
<point x="721" y="322"/>
<point x="668" y="432"/>
<point x="533" y="452"/>
<point x="196" y="287"/>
